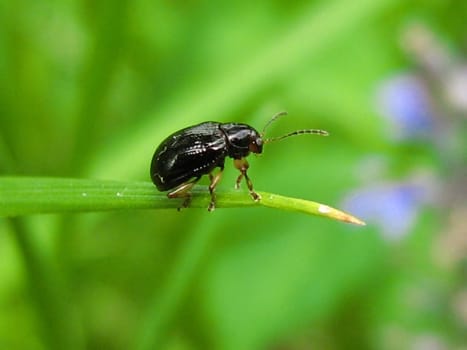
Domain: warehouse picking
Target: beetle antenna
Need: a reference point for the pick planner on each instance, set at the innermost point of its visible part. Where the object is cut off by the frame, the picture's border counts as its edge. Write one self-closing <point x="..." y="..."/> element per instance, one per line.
<point x="273" y="119"/>
<point x="298" y="132"/>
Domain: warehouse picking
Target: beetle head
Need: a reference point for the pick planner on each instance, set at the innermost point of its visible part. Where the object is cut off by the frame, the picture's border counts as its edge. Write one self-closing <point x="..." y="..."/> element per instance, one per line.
<point x="242" y="139"/>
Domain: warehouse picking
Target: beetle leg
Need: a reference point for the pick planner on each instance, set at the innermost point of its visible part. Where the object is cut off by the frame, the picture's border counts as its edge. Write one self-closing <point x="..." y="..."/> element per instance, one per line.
<point x="184" y="191"/>
<point x="242" y="165"/>
<point x="214" y="181"/>
<point x="239" y="180"/>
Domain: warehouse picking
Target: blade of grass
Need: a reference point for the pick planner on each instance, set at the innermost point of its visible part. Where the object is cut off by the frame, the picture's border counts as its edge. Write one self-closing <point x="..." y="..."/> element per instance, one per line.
<point x="31" y="195"/>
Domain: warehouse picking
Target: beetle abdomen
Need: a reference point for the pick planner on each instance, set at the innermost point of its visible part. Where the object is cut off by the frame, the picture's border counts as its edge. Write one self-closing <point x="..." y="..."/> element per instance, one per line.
<point x="186" y="154"/>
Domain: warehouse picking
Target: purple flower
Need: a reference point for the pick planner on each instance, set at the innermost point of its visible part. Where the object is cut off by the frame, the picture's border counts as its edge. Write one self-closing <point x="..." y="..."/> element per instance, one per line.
<point x="393" y="207"/>
<point x="405" y="102"/>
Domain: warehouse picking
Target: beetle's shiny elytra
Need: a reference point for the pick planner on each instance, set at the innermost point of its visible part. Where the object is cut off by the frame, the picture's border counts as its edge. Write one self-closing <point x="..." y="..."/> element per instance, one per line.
<point x="188" y="154"/>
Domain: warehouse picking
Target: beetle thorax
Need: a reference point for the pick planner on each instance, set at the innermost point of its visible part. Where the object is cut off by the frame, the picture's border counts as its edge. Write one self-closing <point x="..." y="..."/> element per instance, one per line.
<point x="241" y="140"/>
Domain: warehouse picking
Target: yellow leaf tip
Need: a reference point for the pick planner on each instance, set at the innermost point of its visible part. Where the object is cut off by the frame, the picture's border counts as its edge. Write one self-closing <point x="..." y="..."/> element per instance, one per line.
<point x="356" y="221"/>
<point x="340" y="215"/>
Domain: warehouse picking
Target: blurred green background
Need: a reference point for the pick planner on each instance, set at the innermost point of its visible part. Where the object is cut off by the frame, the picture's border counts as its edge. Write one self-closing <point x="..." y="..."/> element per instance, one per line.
<point x="89" y="89"/>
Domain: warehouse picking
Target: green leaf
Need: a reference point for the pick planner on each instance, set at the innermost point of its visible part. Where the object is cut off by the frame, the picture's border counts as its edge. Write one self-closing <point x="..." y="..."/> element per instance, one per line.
<point x="34" y="195"/>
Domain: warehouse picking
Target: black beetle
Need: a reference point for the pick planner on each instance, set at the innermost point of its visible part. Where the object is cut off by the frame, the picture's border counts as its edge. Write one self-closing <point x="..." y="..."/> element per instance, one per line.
<point x="188" y="154"/>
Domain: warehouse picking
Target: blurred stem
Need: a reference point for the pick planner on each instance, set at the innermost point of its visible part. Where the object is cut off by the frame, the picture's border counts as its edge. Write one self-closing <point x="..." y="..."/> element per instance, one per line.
<point x="166" y="303"/>
<point x="29" y="195"/>
<point x="106" y="19"/>
<point x="6" y="159"/>
<point x="57" y="322"/>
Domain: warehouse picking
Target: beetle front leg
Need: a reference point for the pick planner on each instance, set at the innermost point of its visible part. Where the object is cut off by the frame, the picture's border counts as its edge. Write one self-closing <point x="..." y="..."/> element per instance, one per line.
<point x="214" y="181"/>
<point x="242" y="165"/>
<point x="184" y="191"/>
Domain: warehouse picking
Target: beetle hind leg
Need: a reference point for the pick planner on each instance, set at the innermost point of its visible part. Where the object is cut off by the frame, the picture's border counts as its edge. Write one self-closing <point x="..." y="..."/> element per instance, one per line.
<point x="214" y="181"/>
<point x="184" y="191"/>
<point x="242" y="165"/>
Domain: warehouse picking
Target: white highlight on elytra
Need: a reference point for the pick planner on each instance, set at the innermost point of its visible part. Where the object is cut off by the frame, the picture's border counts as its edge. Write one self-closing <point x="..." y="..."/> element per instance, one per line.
<point x="84" y="194"/>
